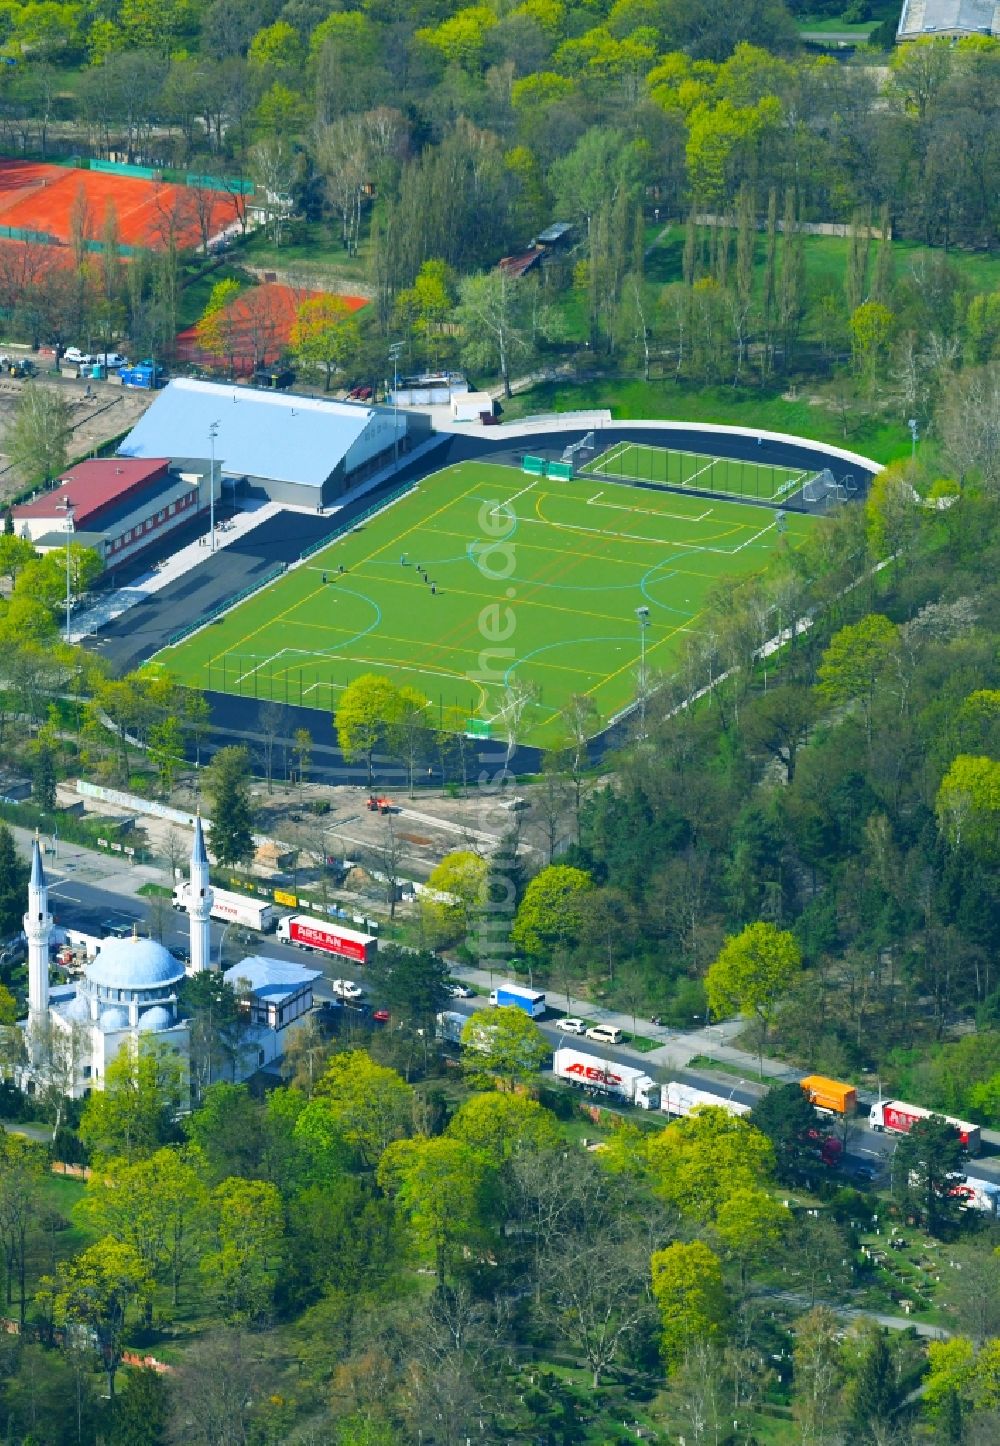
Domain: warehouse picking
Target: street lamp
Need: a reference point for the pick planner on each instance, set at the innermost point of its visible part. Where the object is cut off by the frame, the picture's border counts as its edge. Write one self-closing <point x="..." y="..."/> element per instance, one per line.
<point x="394" y="351"/>
<point x="222" y="941"/>
<point x="914" y="436"/>
<point x="642" y="613"/>
<point x="213" y="432"/>
<point x="68" y="507"/>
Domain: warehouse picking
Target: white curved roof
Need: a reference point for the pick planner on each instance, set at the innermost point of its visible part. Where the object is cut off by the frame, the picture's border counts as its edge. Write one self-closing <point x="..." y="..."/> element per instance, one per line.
<point x="77" y="1010"/>
<point x="114" y="1019"/>
<point x="258" y="433"/>
<point x="155" y="1019"/>
<point x="134" y="964"/>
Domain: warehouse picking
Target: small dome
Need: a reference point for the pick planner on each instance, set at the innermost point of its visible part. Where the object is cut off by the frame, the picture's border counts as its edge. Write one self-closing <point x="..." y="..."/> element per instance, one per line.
<point x="77" y="1011"/>
<point x="114" y="1019"/>
<point x="155" y="1018"/>
<point x="134" y="964"/>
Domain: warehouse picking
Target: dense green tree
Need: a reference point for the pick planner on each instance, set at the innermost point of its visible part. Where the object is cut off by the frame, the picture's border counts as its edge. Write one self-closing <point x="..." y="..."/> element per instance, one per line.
<point x="140" y="1410"/>
<point x="244" y="1269"/>
<point x="549" y="913"/>
<point x="927" y="1165"/>
<point x="13" y="884"/>
<point x="136" y="1110"/>
<point x="786" y="1116"/>
<point x="227" y="1130"/>
<point x="437" y="1184"/>
<point x="412" y="984"/>
<point x="753" y="972"/>
<point x="227" y="782"/>
<point x="38" y="441"/>
<point x="688" y="1288"/>
<point x="505" y="1042"/>
<point x="96" y="1290"/>
<point x="367" y="707"/>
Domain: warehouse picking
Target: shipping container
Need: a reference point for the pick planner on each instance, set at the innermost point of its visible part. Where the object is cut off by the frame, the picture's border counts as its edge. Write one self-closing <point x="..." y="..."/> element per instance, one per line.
<point x="830" y="1096"/>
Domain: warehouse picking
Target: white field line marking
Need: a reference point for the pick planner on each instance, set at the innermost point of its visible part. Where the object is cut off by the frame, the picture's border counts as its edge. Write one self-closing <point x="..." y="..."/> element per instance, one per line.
<point x="592" y="500"/>
<point x="707" y="468"/>
<point x="601" y="464"/>
<point x="651" y="511"/>
<point x="653" y="541"/>
<point x="262" y="664"/>
<point x="533" y="483"/>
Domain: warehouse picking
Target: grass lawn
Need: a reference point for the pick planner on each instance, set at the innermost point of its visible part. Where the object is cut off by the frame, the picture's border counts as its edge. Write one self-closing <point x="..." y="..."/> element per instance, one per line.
<point x="535" y="579"/>
<point x="311" y="247"/>
<point x="833" y="24"/>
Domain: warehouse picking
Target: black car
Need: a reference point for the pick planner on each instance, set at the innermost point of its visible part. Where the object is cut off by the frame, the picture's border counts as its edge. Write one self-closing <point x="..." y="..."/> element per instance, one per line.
<point x="118" y="928"/>
<point x="280" y="379"/>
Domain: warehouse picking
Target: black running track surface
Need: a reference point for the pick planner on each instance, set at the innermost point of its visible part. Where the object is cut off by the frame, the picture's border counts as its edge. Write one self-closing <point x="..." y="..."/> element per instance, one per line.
<point x="144" y="629"/>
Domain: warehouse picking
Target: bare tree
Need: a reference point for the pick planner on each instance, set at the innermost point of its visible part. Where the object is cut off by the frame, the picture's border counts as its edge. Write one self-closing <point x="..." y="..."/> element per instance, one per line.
<point x="215" y="1392"/>
<point x="271" y="717"/>
<point x="388" y="855"/>
<point x="516" y="698"/>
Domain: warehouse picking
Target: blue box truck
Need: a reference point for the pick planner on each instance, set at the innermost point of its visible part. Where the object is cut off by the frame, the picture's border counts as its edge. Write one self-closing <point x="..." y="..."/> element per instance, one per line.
<point x="530" y="1000"/>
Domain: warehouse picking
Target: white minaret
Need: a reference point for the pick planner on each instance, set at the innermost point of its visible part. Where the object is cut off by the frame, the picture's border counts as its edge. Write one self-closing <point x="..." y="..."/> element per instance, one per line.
<point x="199" y="903"/>
<point x="38" y="928"/>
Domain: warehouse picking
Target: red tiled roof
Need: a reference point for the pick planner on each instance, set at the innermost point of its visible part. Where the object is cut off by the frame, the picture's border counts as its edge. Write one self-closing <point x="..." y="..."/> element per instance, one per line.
<point x="516" y="266"/>
<point x="92" y="486"/>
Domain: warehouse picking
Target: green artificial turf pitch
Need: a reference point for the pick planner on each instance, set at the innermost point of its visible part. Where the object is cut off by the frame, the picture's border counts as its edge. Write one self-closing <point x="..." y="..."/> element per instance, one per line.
<point x="724" y="476"/>
<point x="536" y="581"/>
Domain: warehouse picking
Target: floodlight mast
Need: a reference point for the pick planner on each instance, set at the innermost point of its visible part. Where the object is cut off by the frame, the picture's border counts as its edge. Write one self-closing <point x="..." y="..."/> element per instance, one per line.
<point x="642" y="614"/>
<point x="394" y="350"/>
<point x="68" y="507"/>
<point x="213" y="432"/>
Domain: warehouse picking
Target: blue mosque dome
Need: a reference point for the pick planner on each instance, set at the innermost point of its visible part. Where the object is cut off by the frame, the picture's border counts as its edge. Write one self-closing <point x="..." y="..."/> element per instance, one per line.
<point x="134" y="964"/>
<point x="155" y="1019"/>
<point x="113" y="1020"/>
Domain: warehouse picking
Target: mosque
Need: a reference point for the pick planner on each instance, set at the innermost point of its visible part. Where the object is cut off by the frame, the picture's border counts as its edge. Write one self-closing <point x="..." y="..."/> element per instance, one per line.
<point x="128" y="994"/>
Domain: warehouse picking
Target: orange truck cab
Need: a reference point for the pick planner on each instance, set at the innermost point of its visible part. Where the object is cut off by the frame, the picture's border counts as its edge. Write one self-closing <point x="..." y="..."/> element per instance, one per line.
<point x="830" y="1096"/>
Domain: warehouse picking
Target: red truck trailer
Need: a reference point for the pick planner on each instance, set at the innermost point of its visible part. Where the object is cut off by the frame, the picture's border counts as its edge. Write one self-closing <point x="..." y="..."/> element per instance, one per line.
<point x="898" y="1118"/>
<point x="328" y="938"/>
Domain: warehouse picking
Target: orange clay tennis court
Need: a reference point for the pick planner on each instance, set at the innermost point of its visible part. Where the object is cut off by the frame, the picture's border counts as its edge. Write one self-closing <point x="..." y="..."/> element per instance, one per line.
<point x="39" y="197"/>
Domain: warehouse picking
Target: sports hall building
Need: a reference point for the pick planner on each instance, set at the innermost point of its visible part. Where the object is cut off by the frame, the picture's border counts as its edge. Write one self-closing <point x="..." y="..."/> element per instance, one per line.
<point x="297" y="450"/>
<point x="119" y="507"/>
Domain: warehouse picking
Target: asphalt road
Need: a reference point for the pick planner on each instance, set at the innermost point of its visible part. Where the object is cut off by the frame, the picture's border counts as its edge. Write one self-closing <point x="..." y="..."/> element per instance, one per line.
<point x="78" y="905"/>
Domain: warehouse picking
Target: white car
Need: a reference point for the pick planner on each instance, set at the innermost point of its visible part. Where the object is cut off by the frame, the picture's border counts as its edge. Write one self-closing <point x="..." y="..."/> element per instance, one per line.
<point x="76" y="357"/>
<point x="458" y="990"/>
<point x="570" y="1025"/>
<point x="347" y="989"/>
<point x="111" y="359"/>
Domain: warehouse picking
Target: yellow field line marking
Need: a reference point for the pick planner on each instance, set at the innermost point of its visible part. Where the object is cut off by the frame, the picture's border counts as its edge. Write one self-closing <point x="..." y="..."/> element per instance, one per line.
<point x="393" y="542"/>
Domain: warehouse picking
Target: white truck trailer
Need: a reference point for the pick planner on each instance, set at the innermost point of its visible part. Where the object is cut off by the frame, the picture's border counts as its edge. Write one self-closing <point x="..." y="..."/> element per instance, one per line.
<point x="619" y="1082"/>
<point x="229" y="908"/>
<point x="681" y="1100"/>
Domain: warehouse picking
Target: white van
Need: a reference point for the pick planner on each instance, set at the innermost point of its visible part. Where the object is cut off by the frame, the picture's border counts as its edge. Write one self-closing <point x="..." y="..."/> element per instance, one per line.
<point x="605" y="1033"/>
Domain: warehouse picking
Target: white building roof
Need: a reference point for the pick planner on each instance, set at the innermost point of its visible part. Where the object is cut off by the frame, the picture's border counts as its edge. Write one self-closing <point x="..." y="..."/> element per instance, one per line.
<point x="259" y="433"/>
<point x="271" y="979"/>
<point x="949" y="17"/>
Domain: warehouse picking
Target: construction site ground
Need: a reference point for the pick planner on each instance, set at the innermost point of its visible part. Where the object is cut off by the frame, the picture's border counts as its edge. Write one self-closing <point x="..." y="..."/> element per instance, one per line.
<point x="421" y="830"/>
<point x="98" y="411"/>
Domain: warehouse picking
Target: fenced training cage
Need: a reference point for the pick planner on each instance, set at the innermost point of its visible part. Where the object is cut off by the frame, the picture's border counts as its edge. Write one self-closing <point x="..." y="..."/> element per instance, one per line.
<point x="823" y="488"/>
<point x="640" y="464"/>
